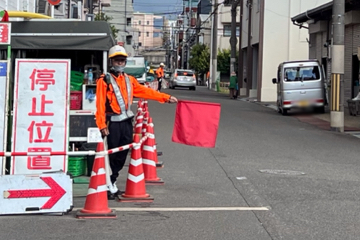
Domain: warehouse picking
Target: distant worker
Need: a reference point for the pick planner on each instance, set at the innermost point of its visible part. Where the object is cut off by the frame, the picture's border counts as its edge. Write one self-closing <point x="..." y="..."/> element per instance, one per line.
<point x="160" y="75"/>
<point x="207" y="78"/>
<point x="114" y="96"/>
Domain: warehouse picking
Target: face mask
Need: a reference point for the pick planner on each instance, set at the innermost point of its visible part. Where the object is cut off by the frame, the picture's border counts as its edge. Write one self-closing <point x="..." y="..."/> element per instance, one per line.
<point x="119" y="69"/>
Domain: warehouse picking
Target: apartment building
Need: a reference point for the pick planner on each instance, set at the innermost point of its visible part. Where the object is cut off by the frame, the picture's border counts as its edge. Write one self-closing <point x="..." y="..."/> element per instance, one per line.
<point x="122" y="14"/>
<point x="149" y="29"/>
<point x="268" y="38"/>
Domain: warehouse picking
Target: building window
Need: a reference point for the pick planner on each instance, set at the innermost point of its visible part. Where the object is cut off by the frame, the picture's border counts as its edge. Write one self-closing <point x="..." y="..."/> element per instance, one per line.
<point x="128" y="21"/>
<point x="128" y="40"/>
<point x="156" y="34"/>
<point x="139" y="22"/>
<point x="147" y="22"/>
<point x="147" y="34"/>
<point x="139" y="44"/>
<point x="227" y="31"/>
<point x="139" y="34"/>
<point x="258" y="6"/>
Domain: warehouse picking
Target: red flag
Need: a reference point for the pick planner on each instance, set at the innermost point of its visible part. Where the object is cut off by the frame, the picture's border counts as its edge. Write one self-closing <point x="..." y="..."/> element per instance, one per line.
<point x="196" y="123"/>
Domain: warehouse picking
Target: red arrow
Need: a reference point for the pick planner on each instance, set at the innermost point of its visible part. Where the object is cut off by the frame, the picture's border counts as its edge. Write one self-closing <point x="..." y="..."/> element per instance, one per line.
<point x="55" y="193"/>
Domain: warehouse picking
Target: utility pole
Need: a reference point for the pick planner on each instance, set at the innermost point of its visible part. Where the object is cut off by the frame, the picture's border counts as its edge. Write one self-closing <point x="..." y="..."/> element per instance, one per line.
<point x="188" y="31"/>
<point x="337" y="67"/>
<point x="233" y="38"/>
<point x="184" y="37"/>
<point x="241" y="60"/>
<point x="249" y="52"/>
<point x="214" y="45"/>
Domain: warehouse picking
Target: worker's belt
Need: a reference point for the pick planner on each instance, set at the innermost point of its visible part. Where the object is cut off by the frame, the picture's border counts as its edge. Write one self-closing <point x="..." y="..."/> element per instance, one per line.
<point x="120" y="117"/>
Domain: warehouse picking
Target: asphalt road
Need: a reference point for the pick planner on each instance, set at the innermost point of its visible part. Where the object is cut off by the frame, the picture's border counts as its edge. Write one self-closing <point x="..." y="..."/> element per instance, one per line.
<point x="269" y="177"/>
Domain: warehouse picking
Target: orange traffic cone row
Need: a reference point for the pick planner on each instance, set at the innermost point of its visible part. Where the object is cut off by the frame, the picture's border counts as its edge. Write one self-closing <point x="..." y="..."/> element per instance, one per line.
<point x="96" y="203"/>
<point x="135" y="190"/>
<point x="151" y="125"/>
<point x="149" y="164"/>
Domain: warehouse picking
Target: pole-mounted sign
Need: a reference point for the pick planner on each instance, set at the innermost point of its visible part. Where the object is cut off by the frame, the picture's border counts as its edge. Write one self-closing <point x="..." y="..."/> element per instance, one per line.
<point x="54" y="2"/>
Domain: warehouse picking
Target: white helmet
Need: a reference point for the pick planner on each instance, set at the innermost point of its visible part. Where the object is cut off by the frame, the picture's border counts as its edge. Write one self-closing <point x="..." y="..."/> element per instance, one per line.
<point x="117" y="51"/>
<point x="162" y="64"/>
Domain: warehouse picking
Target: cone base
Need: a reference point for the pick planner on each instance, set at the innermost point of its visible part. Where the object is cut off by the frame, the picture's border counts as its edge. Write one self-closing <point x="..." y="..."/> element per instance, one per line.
<point x="81" y="214"/>
<point x="154" y="182"/>
<point x="129" y="198"/>
<point x="160" y="164"/>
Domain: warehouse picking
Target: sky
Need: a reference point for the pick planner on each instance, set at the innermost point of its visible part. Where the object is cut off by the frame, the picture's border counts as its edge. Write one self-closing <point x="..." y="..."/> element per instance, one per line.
<point x="167" y="8"/>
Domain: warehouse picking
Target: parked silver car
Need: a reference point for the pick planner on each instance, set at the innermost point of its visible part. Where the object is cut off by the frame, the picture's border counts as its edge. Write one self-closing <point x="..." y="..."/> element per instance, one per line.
<point x="183" y="78"/>
<point x="300" y="84"/>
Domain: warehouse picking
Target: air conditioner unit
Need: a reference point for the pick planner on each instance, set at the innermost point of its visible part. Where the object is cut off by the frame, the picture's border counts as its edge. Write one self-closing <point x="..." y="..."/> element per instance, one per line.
<point x="60" y="10"/>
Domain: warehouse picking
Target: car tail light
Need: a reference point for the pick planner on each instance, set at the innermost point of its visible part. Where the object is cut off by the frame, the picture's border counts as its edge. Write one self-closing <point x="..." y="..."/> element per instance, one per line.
<point x="319" y="100"/>
<point x="287" y="102"/>
<point x="175" y="75"/>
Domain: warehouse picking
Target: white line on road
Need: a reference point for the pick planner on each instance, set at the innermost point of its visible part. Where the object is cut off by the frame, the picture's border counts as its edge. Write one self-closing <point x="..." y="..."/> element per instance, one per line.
<point x="187" y="209"/>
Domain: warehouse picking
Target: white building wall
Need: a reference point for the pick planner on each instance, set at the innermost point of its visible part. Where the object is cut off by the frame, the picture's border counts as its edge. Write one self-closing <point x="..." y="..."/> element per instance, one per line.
<point x="283" y="41"/>
<point x="21" y="5"/>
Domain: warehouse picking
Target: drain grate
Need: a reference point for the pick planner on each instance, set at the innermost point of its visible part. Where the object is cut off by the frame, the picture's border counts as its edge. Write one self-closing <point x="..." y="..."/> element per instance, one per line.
<point x="282" y="172"/>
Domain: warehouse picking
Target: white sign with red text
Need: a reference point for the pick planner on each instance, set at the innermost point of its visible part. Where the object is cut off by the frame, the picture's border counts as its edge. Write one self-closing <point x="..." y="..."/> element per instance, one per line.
<point x="41" y="115"/>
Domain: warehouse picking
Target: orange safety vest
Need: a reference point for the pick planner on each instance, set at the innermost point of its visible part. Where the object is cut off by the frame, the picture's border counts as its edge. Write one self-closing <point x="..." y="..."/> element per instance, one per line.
<point x="106" y="101"/>
<point x="160" y="72"/>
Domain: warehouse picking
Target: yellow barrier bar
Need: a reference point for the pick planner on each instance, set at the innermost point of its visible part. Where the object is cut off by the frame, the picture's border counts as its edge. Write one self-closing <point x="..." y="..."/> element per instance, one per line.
<point x="20" y="14"/>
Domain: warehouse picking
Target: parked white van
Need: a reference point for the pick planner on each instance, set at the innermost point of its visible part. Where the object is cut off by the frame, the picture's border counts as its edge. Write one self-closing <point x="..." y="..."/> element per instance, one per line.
<point x="300" y="84"/>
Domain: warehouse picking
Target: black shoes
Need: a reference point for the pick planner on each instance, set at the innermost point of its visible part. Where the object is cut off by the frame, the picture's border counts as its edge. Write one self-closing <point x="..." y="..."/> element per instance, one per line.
<point x="113" y="196"/>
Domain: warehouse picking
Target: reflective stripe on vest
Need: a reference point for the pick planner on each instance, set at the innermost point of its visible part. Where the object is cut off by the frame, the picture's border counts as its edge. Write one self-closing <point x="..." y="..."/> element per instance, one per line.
<point x="125" y="114"/>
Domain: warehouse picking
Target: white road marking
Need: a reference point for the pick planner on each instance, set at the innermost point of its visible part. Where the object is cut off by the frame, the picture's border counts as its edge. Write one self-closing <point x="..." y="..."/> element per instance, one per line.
<point x="186" y="209"/>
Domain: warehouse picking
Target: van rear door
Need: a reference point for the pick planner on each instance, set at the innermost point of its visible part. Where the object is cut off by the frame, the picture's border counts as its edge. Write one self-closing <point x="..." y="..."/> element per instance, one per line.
<point x="303" y="85"/>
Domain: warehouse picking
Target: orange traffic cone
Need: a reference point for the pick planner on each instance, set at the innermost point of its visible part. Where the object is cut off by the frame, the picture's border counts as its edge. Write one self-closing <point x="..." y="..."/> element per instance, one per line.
<point x="139" y="123"/>
<point x="135" y="185"/>
<point x="149" y="164"/>
<point x="96" y="203"/>
<point x="158" y="164"/>
<point x="144" y="123"/>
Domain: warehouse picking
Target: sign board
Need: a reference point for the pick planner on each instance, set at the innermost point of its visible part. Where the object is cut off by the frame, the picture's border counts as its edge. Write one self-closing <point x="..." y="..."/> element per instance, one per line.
<point x="94" y="135"/>
<point x="26" y="194"/>
<point x="5" y="33"/>
<point x="41" y="115"/>
<point x="54" y="2"/>
<point x="3" y="119"/>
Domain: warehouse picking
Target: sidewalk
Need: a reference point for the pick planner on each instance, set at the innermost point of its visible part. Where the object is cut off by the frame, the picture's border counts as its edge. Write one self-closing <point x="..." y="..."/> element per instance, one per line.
<point x="351" y="123"/>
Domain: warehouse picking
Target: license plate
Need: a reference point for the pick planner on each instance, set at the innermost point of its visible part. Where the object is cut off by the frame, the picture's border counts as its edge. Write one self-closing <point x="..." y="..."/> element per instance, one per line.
<point x="303" y="103"/>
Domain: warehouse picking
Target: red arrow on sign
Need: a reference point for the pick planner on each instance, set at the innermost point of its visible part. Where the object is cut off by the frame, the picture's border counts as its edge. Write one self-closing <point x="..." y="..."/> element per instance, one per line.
<point x="55" y="193"/>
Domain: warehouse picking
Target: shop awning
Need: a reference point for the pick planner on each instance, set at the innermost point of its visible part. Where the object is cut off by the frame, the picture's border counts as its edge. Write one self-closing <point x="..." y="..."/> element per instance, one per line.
<point x="61" y="35"/>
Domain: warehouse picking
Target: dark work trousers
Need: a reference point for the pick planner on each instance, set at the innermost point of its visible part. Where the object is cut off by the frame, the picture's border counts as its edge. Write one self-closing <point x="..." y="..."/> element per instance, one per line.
<point x="159" y="84"/>
<point x="121" y="133"/>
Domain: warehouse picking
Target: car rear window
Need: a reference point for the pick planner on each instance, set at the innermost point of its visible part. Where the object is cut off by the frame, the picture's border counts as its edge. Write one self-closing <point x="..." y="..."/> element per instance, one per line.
<point x="302" y="73"/>
<point x="185" y="73"/>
